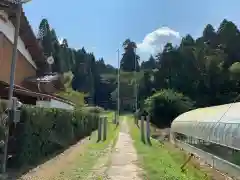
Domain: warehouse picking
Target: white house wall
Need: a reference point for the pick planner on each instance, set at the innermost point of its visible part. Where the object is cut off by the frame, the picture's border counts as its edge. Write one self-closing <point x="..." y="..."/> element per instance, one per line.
<point x="8" y="29"/>
<point x="45" y="104"/>
<point x="61" y="105"/>
<point x="54" y="104"/>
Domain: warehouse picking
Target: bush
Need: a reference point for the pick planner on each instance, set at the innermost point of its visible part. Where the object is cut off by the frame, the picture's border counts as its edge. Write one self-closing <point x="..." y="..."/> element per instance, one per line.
<point x="73" y="96"/>
<point x="43" y="131"/>
<point x="166" y="105"/>
<point x="3" y="107"/>
<point x="93" y="109"/>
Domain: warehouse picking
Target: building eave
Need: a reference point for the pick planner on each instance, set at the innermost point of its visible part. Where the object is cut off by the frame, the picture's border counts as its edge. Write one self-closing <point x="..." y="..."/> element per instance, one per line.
<point x="25" y="33"/>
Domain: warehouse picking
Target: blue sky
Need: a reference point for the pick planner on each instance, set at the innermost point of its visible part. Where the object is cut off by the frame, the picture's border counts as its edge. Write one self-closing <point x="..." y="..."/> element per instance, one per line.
<point x="102" y="25"/>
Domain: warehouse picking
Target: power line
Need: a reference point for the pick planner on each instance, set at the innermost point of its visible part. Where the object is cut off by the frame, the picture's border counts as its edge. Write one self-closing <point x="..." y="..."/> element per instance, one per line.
<point x="235" y="100"/>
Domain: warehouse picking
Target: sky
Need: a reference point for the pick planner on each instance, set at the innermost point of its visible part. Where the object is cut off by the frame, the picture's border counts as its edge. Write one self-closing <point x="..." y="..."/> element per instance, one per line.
<point x="101" y="26"/>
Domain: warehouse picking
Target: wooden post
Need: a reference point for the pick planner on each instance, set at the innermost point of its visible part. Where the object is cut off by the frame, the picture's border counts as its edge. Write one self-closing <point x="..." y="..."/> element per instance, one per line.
<point x="100" y="129"/>
<point x="105" y="129"/>
<point x="148" y="133"/>
<point x="185" y="163"/>
<point x="117" y="119"/>
<point x="114" y="118"/>
<point x="142" y="129"/>
<point x="136" y="120"/>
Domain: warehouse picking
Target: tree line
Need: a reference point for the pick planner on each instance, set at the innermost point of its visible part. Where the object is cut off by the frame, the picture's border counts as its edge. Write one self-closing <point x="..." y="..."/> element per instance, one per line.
<point x="206" y="69"/>
<point x="85" y="68"/>
<point x="199" y="72"/>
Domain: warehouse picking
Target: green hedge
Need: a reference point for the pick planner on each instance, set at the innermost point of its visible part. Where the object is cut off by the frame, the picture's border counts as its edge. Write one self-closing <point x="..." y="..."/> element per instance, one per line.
<point x="44" y="131"/>
<point x="93" y="109"/>
<point x="3" y="107"/>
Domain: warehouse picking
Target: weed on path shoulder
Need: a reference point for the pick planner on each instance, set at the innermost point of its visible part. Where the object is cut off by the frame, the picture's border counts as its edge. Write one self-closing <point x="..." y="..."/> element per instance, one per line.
<point x="161" y="164"/>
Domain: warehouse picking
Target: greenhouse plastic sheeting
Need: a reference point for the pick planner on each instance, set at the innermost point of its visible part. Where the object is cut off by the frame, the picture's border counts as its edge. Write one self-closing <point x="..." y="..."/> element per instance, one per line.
<point x="217" y="124"/>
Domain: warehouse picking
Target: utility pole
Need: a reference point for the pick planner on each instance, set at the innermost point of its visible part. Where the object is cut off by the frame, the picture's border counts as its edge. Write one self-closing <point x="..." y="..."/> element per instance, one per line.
<point x="118" y="101"/>
<point x="136" y="90"/>
<point x="91" y="81"/>
<point x="11" y="87"/>
<point x="18" y="4"/>
<point x="92" y="87"/>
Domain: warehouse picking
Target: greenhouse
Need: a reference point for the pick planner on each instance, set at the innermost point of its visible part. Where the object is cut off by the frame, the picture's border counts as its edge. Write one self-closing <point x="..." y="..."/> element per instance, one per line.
<point x="217" y="125"/>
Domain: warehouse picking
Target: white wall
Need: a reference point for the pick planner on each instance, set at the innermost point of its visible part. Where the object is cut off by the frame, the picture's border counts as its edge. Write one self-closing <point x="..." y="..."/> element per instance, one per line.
<point x="54" y="104"/>
<point x="8" y="29"/>
<point x="45" y="104"/>
<point x="58" y="104"/>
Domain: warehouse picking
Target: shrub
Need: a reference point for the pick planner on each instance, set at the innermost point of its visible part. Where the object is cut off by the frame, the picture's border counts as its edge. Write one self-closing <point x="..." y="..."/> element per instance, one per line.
<point x="43" y="131"/>
<point x="76" y="97"/>
<point x="3" y="107"/>
<point x="93" y="109"/>
<point x="166" y="105"/>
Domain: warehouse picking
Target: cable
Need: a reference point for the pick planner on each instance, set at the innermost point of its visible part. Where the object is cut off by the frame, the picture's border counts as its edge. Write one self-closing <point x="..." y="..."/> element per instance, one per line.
<point x="231" y="104"/>
<point x="191" y="155"/>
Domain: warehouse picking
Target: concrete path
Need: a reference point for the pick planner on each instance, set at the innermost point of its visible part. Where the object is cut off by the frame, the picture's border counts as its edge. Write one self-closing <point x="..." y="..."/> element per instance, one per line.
<point x="123" y="161"/>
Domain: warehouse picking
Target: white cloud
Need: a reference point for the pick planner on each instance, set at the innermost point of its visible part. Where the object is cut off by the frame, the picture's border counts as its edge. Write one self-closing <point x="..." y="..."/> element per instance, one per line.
<point x="154" y="42"/>
<point x="60" y="40"/>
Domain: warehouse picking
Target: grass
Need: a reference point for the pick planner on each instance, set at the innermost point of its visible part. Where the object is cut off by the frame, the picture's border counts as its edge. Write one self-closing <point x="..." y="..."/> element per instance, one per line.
<point x="82" y="165"/>
<point x="75" y="97"/>
<point x="161" y="162"/>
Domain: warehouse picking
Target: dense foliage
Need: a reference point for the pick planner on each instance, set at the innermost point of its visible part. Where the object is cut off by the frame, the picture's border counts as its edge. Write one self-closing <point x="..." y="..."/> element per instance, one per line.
<point x="165" y="105"/>
<point x="205" y="69"/>
<point x="202" y="68"/>
<point x="83" y="65"/>
<point x="69" y="94"/>
<point x="43" y="132"/>
<point x="3" y="106"/>
<point x="130" y="60"/>
<point x="93" y="109"/>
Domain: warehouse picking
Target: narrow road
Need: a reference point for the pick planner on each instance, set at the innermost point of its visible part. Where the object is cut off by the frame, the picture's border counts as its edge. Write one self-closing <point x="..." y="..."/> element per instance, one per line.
<point x="55" y="167"/>
<point x="119" y="163"/>
<point x="124" y="158"/>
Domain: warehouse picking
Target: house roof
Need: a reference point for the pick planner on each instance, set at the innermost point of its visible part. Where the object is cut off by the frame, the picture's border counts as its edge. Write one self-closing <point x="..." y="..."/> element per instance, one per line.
<point x="27" y="92"/>
<point x="45" y="78"/>
<point x="26" y="33"/>
<point x="47" y="83"/>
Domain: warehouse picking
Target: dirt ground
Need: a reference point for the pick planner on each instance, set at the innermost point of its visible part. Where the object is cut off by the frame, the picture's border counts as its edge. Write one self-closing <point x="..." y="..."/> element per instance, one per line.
<point x="52" y="168"/>
<point x="117" y="163"/>
<point x="123" y="160"/>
